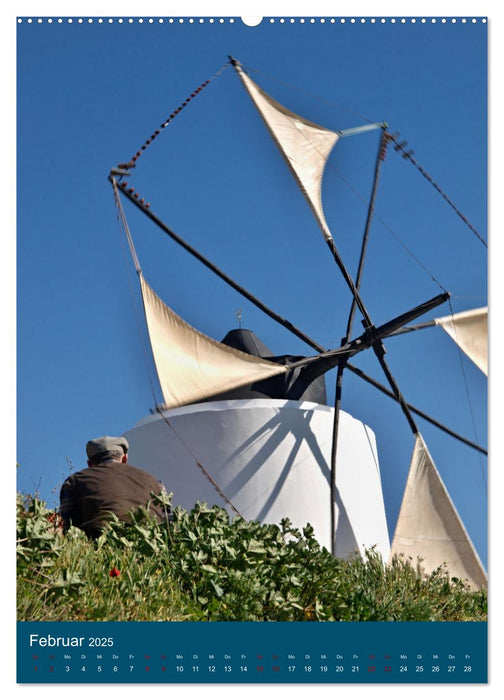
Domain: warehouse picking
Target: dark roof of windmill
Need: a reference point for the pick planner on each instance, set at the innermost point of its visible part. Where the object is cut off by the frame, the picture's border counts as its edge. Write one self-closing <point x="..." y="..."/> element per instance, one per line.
<point x="291" y="385"/>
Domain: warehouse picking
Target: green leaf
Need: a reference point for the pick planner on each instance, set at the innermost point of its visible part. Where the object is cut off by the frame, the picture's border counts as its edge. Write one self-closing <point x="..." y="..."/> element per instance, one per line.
<point x="218" y="590"/>
<point x="210" y="569"/>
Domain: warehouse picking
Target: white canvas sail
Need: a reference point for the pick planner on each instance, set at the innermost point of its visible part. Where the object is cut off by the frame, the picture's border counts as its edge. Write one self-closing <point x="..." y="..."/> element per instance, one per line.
<point x="429" y="526"/>
<point x="469" y="329"/>
<point x="304" y="145"/>
<point x="191" y="366"/>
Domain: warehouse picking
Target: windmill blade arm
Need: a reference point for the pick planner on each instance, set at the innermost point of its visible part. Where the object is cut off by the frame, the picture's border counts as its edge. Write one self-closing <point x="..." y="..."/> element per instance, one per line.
<point x="410" y="329"/>
<point x="319" y="364"/>
<point x="413" y="409"/>
<point x="399" y="322"/>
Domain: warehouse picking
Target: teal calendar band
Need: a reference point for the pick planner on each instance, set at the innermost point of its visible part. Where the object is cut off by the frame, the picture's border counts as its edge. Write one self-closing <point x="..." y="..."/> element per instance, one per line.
<point x="252" y="652"/>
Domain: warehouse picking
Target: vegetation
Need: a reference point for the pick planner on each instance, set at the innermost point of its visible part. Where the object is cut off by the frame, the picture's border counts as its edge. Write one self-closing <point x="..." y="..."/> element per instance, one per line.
<point x="200" y="566"/>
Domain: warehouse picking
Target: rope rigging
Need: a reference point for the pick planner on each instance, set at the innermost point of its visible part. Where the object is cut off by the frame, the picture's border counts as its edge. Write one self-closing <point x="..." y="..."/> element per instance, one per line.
<point x="121" y="218"/>
<point x="132" y="162"/>
<point x="200" y="466"/>
<point x="408" y="155"/>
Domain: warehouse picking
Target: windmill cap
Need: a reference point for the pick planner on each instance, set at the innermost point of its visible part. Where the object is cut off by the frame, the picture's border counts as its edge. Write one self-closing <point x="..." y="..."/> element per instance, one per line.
<point x="106" y="444"/>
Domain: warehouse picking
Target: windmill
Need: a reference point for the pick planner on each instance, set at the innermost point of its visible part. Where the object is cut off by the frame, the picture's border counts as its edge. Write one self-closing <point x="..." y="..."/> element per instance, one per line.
<point x="197" y="371"/>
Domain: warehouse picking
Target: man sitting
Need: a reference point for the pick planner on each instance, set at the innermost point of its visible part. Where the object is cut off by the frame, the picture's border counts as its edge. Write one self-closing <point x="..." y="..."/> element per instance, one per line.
<point x="109" y="485"/>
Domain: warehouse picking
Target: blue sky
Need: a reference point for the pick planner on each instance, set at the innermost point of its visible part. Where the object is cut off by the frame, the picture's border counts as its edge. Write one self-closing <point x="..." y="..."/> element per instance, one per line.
<point x="89" y="94"/>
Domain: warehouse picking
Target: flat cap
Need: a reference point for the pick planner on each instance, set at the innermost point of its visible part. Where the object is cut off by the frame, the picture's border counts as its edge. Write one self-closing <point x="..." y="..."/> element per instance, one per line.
<point x="106" y="444"/>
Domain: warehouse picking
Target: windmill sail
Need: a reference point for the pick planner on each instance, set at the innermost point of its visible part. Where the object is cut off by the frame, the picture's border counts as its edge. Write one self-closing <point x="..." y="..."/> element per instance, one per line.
<point x="304" y="145"/>
<point x="469" y="329"/>
<point x="429" y="526"/>
<point x="192" y="367"/>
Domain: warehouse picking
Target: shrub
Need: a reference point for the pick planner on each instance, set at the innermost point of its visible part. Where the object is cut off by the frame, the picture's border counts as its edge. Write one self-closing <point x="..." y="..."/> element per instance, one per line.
<point x="202" y="566"/>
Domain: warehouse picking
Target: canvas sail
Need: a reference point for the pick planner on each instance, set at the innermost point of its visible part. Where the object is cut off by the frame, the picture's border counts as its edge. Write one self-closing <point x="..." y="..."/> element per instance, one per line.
<point x="429" y="525"/>
<point x="469" y="329"/>
<point x="304" y="145"/>
<point x="191" y="366"/>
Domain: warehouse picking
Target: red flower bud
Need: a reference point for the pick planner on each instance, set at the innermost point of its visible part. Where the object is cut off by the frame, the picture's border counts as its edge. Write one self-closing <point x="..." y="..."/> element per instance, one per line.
<point x="114" y="573"/>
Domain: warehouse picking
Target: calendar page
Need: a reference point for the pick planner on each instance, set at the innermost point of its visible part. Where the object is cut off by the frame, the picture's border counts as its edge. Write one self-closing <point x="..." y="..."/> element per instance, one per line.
<point x="252" y="349"/>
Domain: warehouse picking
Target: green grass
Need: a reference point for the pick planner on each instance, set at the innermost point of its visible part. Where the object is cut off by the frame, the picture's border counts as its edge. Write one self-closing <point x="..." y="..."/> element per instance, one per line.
<point x="202" y="566"/>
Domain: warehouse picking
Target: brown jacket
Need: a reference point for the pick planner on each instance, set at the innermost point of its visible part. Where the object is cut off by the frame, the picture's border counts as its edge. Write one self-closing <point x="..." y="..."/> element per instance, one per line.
<point x="88" y="497"/>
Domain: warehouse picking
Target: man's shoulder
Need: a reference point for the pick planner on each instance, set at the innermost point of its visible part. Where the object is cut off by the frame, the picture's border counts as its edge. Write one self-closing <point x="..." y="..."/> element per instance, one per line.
<point x="73" y="478"/>
<point x="110" y="470"/>
<point x="140" y="471"/>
